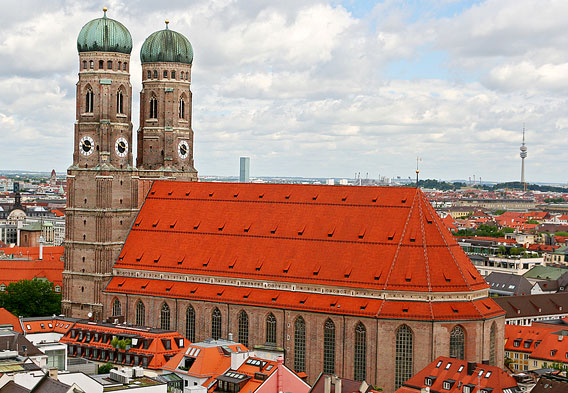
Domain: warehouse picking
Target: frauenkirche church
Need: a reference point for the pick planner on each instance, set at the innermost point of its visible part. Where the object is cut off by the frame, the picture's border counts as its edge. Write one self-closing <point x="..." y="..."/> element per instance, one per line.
<point x="363" y="282"/>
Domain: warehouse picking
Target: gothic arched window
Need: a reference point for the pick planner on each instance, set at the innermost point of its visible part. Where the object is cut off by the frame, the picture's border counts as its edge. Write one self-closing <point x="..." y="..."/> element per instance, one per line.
<point x="243" y="328"/>
<point x="360" y="360"/>
<point x="190" y="323"/>
<point x="124" y="66"/>
<point x="101" y="64"/>
<point x="149" y="74"/>
<point x="186" y="75"/>
<point x="89" y="98"/>
<point x="300" y="345"/>
<point x="216" y="324"/>
<point x="84" y="64"/>
<point x="153" y="108"/>
<point x="119" y="102"/>
<point x="271" y="329"/>
<point x="155" y="74"/>
<point x="181" y="111"/>
<point x="457" y="343"/>
<point x="140" y="313"/>
<point x="109" y="65"/>
<point x="173" y="75"/>
<point x="165" y="317"/>
<point x="181" y="75"/>
<point x="91" y="64"/>
<point x="329" y="347"/>
<point x="492" y="354"/>
<point x="116" y="308"/>
<point x="404" y="355"/>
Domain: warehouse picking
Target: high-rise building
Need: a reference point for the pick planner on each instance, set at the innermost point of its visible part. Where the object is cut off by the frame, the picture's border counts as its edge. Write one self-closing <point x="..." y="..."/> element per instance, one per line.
<point x="244" y="175"/>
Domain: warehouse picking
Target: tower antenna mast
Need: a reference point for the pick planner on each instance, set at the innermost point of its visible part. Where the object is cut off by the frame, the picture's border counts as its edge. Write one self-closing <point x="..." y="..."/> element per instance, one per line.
<point x="523" y="156"/>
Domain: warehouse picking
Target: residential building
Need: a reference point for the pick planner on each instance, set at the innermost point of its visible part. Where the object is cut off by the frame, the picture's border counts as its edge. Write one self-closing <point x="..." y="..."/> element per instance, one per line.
<point x="332" y="383"/>
<point x="503" y="284"/>
<point x="551" y="384"/>
<point x="458" y="376"/>
<point x="521" y="341"/>
<point x="31" y="263"/>
<point x="15" y="345"/>
<point x="131" y="380"/>
<point x="526" y="309"/>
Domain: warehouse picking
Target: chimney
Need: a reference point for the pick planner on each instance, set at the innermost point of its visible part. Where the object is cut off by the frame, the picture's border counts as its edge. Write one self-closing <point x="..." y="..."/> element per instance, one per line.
<point x="486" y="362"/>
<point x="53" y="373"/>
<point x="471" y="366"/>
<point x="337" y="382"/>
<point x="279" y="372"/>
<point x="327" y="384"/>
<point x="41" y="240"/>
<point x="230" y="336"/>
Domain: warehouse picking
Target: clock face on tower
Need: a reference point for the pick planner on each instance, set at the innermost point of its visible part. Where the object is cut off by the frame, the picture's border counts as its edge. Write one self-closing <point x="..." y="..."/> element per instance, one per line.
<point x="121" y="147"/>
<point x="86" y="145"/>
<point x="183" y="149"/>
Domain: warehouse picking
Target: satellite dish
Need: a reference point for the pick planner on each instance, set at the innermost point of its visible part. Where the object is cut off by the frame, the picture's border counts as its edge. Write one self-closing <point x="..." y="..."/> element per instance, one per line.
<point x="90" y="315"/>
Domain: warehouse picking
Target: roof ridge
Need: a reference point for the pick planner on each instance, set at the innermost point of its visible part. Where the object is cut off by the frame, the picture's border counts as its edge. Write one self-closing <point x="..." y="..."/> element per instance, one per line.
<point x="466" y="282"/>
<point x="395" y="257"/>
<point x="424" y="246"/>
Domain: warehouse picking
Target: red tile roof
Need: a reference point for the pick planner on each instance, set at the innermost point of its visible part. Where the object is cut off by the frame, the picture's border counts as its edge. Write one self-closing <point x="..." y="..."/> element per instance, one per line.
<point x="211" y="228"/>
<point x="22" y="263"/>
<point x="525" y="338"/>
<point x="155" y="349"/>
<point x="482" y="377"/>
<point x="9" y="319"/>
<point x="554" y="347"/>
<point x="361" y="306"/>
<point x="47" y="324"/>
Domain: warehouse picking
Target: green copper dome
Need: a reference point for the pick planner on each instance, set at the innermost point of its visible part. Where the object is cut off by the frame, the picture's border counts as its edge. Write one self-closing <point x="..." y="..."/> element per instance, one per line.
<point x="166" y="46"/>
<point x="104" y="35"/>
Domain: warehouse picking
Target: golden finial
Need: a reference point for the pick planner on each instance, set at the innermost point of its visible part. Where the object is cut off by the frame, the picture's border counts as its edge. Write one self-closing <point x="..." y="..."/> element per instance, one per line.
<point x="167" y="23"/>
<point x="105" y="9"/>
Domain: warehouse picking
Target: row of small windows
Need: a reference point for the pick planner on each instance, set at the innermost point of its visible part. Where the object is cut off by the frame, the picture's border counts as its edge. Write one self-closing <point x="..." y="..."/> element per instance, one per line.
<point x="404" y="341"/>
<point x="109" y="65"/>
<point x="154" y="108"/>
<point x="172" y="75"/>
<point x="90" y="99"/>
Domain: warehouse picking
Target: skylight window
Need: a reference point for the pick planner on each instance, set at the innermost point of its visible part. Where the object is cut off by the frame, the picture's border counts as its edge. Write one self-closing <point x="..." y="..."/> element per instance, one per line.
<point x="460" y="369"/>
<point x="448" y="365"/>
<point x="439" y="364"/>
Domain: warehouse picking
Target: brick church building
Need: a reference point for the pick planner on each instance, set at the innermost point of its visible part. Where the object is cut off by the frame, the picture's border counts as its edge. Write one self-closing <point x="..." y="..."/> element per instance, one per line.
<point x="363" y="282"/>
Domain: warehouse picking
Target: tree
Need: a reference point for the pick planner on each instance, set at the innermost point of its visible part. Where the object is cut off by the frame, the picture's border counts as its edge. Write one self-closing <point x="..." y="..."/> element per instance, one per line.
<point x="561" y="233"/>
<point x="31" y="298"/>
<point x="105" y="368"/>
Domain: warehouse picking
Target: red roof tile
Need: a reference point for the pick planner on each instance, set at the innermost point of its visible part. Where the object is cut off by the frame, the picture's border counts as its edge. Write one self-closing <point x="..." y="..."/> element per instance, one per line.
<point x="28" y="265"/>
<point x="210" y="228"/>
<point x="9" y="319"/>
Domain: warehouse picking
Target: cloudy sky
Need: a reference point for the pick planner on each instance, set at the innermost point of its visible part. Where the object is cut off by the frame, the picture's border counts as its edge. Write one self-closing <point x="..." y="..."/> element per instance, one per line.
<point x="316" y="88"/>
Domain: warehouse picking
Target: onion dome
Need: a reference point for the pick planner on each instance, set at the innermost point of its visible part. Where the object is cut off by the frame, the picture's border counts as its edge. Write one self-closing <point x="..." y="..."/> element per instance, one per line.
<point x="104" y="35"/>
<point x="166" y="46"/>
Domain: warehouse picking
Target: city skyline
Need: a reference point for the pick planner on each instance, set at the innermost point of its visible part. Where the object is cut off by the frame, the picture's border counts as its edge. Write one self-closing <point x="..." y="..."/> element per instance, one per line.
<point x="316" y="89"/>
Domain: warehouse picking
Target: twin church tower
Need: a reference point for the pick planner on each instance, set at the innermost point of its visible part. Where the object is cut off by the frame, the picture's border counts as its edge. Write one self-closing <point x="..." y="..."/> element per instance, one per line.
<point x="104" y="188"/>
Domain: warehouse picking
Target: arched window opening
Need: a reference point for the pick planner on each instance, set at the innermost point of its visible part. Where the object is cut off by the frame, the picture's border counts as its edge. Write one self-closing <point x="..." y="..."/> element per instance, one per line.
<point x="165" y="317"/>
<point x="360" y="361"/>
<point x="216" y="324"/>
<point x="109" y="65"/>
<point x="153" y="108"/>
<point x="119" y="64"/>
<point x="173" y="75"/>
<point x="101" y="64"/>
<point x="155" y="74"/>
<point x="140" y="313"/>
<point x="91" y="64"/>
<point x="165" y="74"/>
<point x="300" y="345"/>
<point x="84" y="64"/>
<point x="181" y="108"/>
<point x="243" y="328"/>
<point x="457" y="343"/>
<point x="186" y="75"/>
<point x="119" y="102"/>
<point x="124" y="66"/>
<point x="181" y="75"/>
<point x="492" y="354"/>
<point x="329" y="347"/>
<point x="404" y="355"/>
<point x="271" y="329"/>
<point x="116" y="308"/>
<point x="89" y="97"/>
<point x="149" y="74"/>
<point x="190" y="323"/>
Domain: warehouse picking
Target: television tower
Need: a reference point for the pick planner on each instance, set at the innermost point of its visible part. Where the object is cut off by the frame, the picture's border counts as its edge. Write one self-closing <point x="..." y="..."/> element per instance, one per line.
<point x="523" y="156"/>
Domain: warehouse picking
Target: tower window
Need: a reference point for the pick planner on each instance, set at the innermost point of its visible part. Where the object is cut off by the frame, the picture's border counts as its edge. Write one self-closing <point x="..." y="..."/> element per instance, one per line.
<point x="153" y="108"/>
<point x="109" y="65"/>
<point x="91" y="64"/>
<point x="119" y="102"/>
<point x="89" y="100"/>
<point x="181" y="75"/>
<point x="329" y="347"/>
<point x="243" y="328"/>
<point x="155" y="74"/>
<point x="186" y="75"/>
<point x="101" y="64"/>
<point x="124" y="66"/>
<point x="149" y="74"/>
<point x="119" y="63"/>
<point x="84" y="64"/>
<point x="181" y="108"/>
<point x="173" y="75"/>
<point x="165" y="74"/>
<point x="216" y="324"/>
